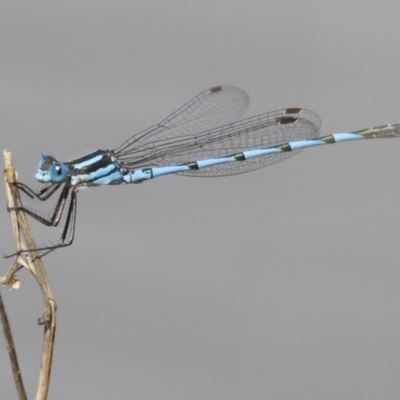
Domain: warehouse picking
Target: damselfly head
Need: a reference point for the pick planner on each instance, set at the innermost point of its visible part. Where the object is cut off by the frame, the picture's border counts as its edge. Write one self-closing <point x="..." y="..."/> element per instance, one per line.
<point x="50" y="170"/>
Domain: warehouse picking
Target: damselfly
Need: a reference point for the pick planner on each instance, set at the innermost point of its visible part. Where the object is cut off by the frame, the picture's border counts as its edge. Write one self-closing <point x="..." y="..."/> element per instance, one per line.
<point x="202" y="138"/>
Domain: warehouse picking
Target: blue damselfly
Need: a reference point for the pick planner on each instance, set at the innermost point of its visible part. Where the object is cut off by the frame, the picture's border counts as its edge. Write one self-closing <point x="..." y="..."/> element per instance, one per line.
<point x="202" y="138"/>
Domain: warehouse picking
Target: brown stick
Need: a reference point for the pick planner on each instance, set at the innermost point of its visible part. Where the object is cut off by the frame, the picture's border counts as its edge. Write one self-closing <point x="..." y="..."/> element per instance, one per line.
<point x="31" y="260"/>
<point x="11" y="352"/>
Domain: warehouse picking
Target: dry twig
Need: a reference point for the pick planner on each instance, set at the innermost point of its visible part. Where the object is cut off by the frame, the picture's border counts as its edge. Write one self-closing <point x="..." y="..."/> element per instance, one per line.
<point x="31" y="260"/>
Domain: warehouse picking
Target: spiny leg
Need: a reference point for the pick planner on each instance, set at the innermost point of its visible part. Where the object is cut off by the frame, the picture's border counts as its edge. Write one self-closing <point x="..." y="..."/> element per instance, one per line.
<point x="69" y="226"/>
<point x="57" y="213"/>
<point x="42" y="195"/>
<point x="55" y="219"/>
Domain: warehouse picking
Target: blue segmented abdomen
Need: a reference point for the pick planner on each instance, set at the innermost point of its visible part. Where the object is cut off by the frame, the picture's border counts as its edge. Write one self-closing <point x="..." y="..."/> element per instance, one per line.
<point x="370" y="133"/>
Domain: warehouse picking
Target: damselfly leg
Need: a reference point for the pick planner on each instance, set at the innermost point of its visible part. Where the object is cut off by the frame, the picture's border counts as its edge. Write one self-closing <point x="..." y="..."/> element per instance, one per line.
<point x="55" y="218"/>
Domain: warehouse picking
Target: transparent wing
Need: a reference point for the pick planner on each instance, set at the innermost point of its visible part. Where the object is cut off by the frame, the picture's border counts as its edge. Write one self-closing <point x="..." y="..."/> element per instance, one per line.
<point x="214" y="107"/>
<point x="265" y="130"/>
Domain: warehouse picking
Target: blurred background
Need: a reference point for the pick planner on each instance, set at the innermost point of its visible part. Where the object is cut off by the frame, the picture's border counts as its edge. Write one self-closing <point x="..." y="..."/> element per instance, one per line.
<point x="279" y="284"/>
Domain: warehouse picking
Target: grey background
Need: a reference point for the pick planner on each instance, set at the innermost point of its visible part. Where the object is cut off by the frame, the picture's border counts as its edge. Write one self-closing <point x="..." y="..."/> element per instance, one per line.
<point x="279" y="284"/>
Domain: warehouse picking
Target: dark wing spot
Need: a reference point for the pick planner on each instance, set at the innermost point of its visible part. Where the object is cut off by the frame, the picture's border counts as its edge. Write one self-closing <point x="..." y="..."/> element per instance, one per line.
<point x="285" y="120"/>
<point x="216" y="89"/>
<point x="293" y="110"/>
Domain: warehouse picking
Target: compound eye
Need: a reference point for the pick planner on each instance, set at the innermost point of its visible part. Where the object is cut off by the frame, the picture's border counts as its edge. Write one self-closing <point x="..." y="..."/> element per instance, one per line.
<point x="58" y="173"/>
